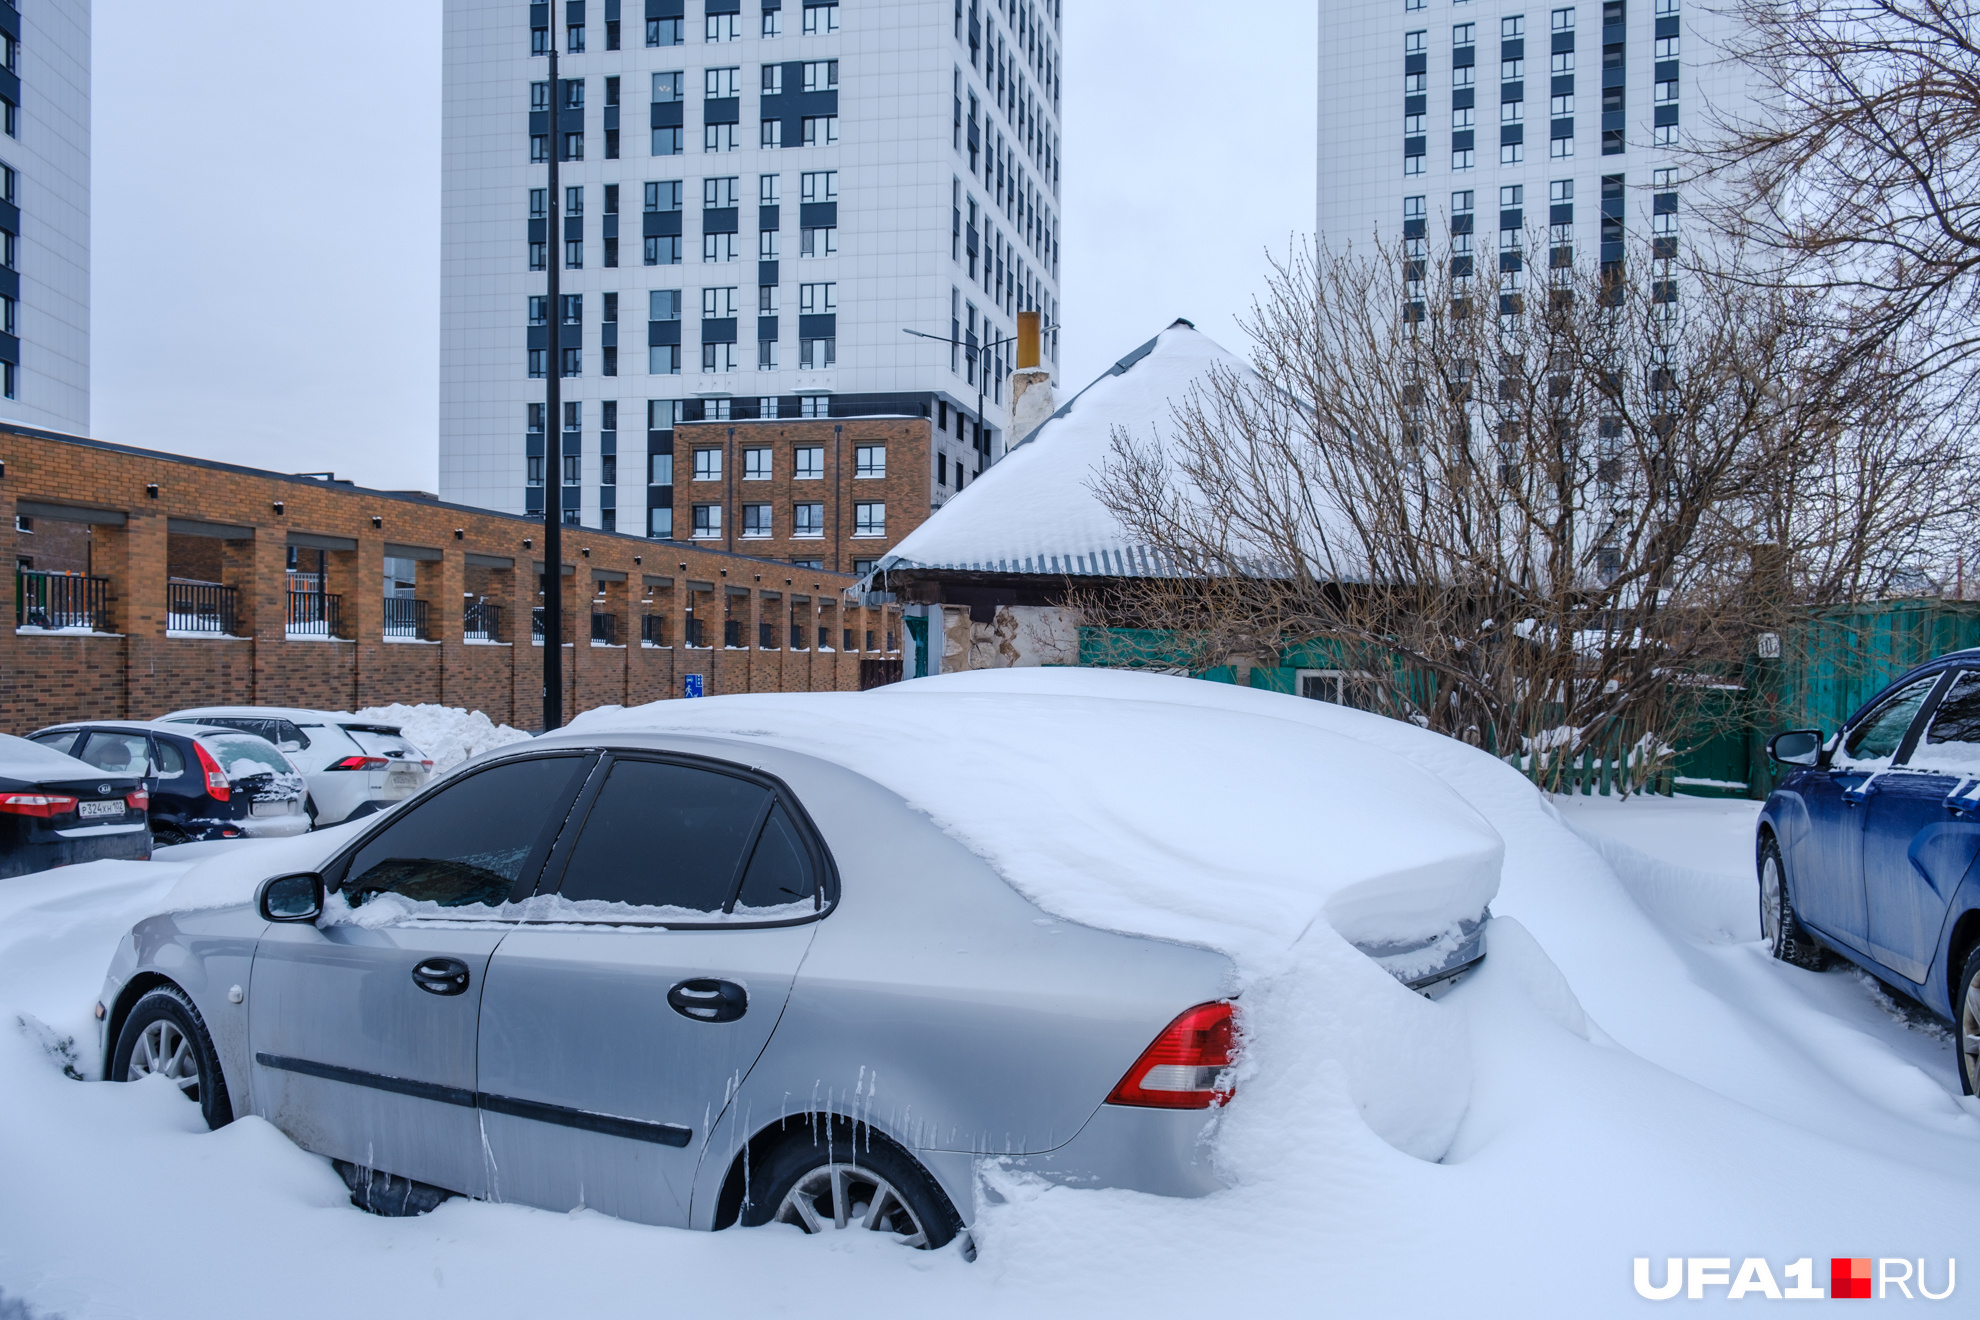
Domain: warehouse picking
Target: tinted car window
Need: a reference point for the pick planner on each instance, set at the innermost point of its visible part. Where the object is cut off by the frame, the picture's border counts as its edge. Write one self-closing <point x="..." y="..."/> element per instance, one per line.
<point x="241" y="757"/>
<point x="1952" y="739"/>
<point x="60" y="742"/>
<point x="384" y="744"/>
<point x="471" y="842"/>
<point x="1882" y="731"/>
<point x="117" y="753"/>
<point x="780" y="870"/>
<point x="665" y="836"/>
<point x="171" y="761"/>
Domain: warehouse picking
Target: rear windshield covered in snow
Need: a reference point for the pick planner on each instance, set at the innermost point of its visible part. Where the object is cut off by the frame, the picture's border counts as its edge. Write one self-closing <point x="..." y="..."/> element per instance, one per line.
<point x="377" y="743"/>
<point x="243" y="756"/>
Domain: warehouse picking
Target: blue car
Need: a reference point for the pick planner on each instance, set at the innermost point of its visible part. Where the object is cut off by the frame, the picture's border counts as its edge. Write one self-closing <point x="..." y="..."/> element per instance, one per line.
<point x="1866" y="849"/>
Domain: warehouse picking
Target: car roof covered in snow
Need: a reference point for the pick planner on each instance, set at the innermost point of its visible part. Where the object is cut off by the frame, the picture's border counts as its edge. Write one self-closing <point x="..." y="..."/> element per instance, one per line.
<point x="30" y="763"/>
<point x="293" y="714"/>
<point x="1139" y="803"/>
<point x="1035" y="511"/>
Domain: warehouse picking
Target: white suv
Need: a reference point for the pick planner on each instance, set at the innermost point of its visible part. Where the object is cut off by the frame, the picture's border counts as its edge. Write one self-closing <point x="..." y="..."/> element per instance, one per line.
<point x="353" y="767"/>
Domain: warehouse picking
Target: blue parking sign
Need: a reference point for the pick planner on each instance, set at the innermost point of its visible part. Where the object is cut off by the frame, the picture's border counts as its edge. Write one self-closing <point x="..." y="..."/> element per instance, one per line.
<point x="691" y="685"/>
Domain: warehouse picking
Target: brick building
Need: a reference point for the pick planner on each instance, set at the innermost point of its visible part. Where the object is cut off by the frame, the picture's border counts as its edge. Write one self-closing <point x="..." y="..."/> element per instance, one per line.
<point x="832" y="494"/>
<point x="146" y="582"/>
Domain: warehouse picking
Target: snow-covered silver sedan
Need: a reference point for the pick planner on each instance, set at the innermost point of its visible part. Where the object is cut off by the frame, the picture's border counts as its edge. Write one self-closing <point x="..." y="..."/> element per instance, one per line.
<point x="684" y="981"/>
<point x="810" y="962"/>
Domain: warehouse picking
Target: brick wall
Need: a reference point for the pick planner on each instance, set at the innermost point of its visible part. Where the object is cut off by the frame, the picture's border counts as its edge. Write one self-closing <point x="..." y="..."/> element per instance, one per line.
<point x="906" y="491"/>
<point x="149" y="514"/>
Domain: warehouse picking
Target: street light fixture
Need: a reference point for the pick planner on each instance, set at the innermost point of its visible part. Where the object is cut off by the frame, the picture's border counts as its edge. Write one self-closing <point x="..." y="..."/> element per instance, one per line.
<point x="986" y="348"/>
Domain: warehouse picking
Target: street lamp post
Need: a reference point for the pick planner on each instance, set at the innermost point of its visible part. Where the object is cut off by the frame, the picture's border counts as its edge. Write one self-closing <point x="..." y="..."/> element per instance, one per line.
<point x="552" y="578"/>
<point x="982" y="376"/>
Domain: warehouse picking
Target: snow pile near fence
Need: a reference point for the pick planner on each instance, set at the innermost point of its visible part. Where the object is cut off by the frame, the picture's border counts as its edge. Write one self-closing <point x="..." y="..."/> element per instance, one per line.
<point x="448" y="734"/>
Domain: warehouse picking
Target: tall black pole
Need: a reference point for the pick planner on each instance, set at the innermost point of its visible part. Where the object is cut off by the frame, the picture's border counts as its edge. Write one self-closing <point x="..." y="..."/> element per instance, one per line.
<point x="553" y="427"/>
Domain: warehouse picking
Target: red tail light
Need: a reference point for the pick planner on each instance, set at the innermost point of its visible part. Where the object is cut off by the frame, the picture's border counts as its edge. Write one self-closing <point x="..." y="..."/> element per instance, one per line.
<point x="217" y="786"/>
<point x="138" y="800"/>
<point x="44" y="805"/>
<point x="360" y="763"/>
<point x="1183" y="1068"/>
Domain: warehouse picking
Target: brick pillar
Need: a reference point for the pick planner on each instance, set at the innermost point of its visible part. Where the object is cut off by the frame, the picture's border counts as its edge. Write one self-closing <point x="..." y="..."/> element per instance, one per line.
<point x="263" y="593"/>
<point x="364" y="616"/>
<point x="138" y="582"/>
<point x="445" y="623"/>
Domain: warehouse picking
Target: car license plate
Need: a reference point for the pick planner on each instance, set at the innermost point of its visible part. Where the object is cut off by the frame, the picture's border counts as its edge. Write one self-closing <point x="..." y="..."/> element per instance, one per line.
<point x="403" y="781"/>
<point x="112" y="807"/>
<point x="272" y="808"/>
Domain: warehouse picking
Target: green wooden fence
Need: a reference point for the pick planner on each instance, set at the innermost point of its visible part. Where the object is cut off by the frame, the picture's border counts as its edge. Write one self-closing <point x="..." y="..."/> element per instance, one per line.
<point x="1826" y="670"/>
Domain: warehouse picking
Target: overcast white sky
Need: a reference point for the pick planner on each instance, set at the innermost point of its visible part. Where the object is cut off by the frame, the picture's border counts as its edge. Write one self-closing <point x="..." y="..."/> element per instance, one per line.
<point x="267" y="211"/>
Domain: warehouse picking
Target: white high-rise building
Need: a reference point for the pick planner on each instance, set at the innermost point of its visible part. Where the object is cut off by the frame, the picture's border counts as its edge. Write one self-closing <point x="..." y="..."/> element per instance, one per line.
<point x="1464" y="128"/>
<point x="44" y="216"/>
<point x="757" y="200"/>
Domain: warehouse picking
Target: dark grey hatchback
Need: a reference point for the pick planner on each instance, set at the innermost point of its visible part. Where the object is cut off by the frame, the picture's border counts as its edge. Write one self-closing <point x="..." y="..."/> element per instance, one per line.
<point x="56" y="810"/>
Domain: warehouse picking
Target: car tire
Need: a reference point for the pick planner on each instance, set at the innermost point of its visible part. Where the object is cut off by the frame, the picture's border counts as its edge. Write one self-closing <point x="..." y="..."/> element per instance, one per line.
<point x="824" y="1176"/>
<point x="1966" y="1022"/>
<point x="165" y="1034"/>
<point x="1786" y="938"/>
<point x="387" y="1194"/>
<point x="168" y="836"/>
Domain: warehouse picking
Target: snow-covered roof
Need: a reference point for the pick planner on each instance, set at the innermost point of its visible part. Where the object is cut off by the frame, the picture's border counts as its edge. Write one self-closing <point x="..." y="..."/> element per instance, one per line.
<point x="1035" y="510"/>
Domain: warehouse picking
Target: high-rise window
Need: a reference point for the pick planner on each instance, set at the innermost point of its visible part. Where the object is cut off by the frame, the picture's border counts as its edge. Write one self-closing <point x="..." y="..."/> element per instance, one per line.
<point x="756" y="464"/>
<point x="707" y="522"/>
<point x="870" y="461"/>
<point x="723" y="27"/>
<point x="821" y="76"/>
<point x="821" y="19"/>
<point x="756" y="521"/>
<point x="869" y="519"/>
<point x="820" y="130"/>
<point x="664" y="32"/>
<point x="808" y="463"/>
<point x="707" y="465"/>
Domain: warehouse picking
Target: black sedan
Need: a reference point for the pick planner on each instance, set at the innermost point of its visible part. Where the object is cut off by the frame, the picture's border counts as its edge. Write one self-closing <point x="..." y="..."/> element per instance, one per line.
<point x="56" y="810"/>
<point x="206" y="783"/>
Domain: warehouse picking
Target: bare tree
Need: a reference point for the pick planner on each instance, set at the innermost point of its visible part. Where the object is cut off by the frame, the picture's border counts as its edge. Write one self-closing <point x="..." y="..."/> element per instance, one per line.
<point x="1859" y="172"/>
<point x="1541" y="517"/>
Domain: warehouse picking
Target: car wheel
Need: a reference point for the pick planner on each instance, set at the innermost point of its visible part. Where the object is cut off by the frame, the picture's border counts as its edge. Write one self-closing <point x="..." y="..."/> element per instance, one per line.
<point x="168" y="836"/>
<point x="1966" y="1012"/>
<point x="165" y="1034"/>
<point x="851" y="1182"/>
<point x="1787" y="939"/>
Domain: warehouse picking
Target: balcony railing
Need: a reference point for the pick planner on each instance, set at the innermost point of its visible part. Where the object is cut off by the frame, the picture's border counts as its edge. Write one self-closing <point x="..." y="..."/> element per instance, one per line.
<point x="405" y="617"/>
<point x="536" y="623"/>
<point x="315" y="614"/>
<point x="604" y="628"/>
<point x="199" y="607"/>
<point x="653" y="629"/>
<point x="59" y="600"/>
<point x="481" y="621"/>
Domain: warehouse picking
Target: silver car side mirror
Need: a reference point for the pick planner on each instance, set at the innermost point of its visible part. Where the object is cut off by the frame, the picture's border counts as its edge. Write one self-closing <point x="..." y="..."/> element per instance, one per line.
<point x="1796" y="746"/>
<point x="296" y="897"/>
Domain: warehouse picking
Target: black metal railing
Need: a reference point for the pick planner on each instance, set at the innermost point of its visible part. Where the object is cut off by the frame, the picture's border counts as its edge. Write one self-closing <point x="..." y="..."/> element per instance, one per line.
<point x="766" y="636"/>
<point x="59" y="600"/>
<point x="797" y="637"/>
<point x="405" y="617"/>
<point x="653" y="629"/>
<point x="315" y="614"/>
<point x="732" y="632"/>
<point x="604" y="628"/>
<point x="481" y="621"/>
<point x="199" y="607"/>
<point x="824" y="639"/>
<point x="691" y="630"/>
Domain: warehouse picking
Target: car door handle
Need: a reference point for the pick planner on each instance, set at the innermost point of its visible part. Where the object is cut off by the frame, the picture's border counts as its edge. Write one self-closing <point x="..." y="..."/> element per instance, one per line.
<point x="707" y="1000"/>
<point x="441" y="976"/>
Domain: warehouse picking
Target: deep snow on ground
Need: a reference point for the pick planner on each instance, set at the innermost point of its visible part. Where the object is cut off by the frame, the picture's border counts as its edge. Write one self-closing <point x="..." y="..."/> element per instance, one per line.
<point x="1642" y="1082"/>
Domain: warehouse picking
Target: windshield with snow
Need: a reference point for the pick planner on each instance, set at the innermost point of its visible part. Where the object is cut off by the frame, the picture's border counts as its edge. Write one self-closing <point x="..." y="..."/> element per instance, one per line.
<point x="242" y="756"/>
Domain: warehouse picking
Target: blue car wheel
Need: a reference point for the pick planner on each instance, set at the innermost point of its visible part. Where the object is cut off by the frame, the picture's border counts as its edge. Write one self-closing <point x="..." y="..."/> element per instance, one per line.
<point x="1787" y="939"/>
